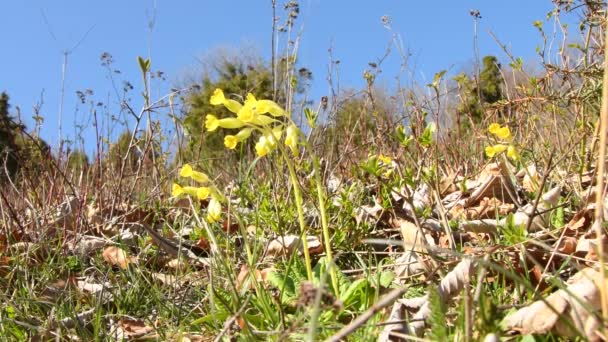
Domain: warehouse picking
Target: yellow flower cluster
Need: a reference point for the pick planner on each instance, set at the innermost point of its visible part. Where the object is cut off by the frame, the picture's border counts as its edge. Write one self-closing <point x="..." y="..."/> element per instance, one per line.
<point x="253" y="114"/>
<point x="503" y="134"/>
<point x="386" y="163"/>
<point x="214" y="209"/>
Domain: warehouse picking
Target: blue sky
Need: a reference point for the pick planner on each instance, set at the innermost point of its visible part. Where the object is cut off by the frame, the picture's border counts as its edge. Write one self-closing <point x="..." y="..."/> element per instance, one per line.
<point x="439" y="34"/>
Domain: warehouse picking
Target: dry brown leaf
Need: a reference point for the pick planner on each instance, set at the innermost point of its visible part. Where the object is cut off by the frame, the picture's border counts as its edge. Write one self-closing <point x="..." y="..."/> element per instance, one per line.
<point x="408" y="264"/>
<point x="90" y="287"/>
<point x="87" y="244"/>
<point x="492" y="184"/>
<point x="580" y="222"/>
<point x="530" y="178"/>
<point x="397" y="315"/>
<point x="166" y="279"/>
<point x="564" y="312"/>
<point x="132" y="328"/>
<point x="285" y="245"/>
<point x="179" y="264"/>
<point x="368" y="214"/>
<point x="567" y="245"/>
<point x="117" y="257"/>
<point x="413" y="239"/>
<point x="450" y="286"/>
<point x="487" y="208"/>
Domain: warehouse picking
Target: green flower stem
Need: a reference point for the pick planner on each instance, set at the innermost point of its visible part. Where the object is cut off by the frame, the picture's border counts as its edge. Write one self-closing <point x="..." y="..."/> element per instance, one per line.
<point x="299" y="203"/>
<point x="325" y="226"/>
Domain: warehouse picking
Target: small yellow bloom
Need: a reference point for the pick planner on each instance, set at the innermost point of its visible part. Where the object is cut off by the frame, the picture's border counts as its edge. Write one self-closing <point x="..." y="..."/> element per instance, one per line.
<point x="499" y="131"/>
<point x="385" y="159"/>
<point x="493" y="128"/>
<point x="247" y="112"/>
<point x="291" y="138"/>
<point x="262" y="147"/>
<point x="268" y="106"/>
<point x="230" y="141"/>
<point x="218" y="98"/>
<point x="214" y="211"/>
<point x="504" y="133"/>
<point x="512" y="153"/>
<point x="491" y="151"/>
<point x="246" y="115"/>
<point x="187" y="171"/>
<point x="211" y="122"/>
<point x="202" y="193"/>
<point x="177" y="190"/>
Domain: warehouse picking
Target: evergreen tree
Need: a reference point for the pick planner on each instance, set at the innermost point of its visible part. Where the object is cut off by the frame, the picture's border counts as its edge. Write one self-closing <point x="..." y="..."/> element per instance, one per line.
<point x="471" y="106"/>
<point x="9" y="130"/>
<point x="490" y="81"/>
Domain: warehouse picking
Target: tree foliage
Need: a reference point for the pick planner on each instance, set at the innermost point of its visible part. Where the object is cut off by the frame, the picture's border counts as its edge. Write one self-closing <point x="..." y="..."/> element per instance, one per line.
<point x="18" y="150"/>
<point x="474" y="99"/>
<point x="8" y="131"/>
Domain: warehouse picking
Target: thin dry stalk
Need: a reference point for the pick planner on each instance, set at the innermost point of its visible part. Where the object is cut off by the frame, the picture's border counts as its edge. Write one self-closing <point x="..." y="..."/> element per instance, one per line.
<point x="599" y="199"/>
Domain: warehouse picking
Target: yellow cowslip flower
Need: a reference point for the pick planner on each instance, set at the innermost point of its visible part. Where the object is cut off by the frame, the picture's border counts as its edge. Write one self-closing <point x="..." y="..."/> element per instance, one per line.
<point x="499" y="131"/>
<point x="230" y="141"/>
<point x="385" y="159"/>
<point x="218" y="98"/>
<point x="493" y="128"/>
<point x="504" y="133"/>
<point x="187" y="171"/>
<point x="199" y="192"/>
<point x="512" y="153"/>
<point x="212" y="123"/>
<point x="177" y="190"/>
<point x="291" y="138"/>
<point x="262" y="147"/>
<point x="202" y="193"/>
<point x="214" y="210"/>
<point x="491" y="151"/>
<point x="247" y="113"/>
<point x="268" y="106"/>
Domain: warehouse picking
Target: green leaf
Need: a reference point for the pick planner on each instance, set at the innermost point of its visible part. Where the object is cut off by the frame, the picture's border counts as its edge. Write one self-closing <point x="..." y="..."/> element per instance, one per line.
<point x="427" y="136"/>
<point x="517" y="64"/>
<point x="438" y="76"/>
<point x="437" y="79"/>
<point x="311" y="117"/>
<point x="286" y="284"/>
<point x="403" y="139"/>
<point x="355" y="290"/>
<point x="386" y="278"/>
<point x="144" y="64"/>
